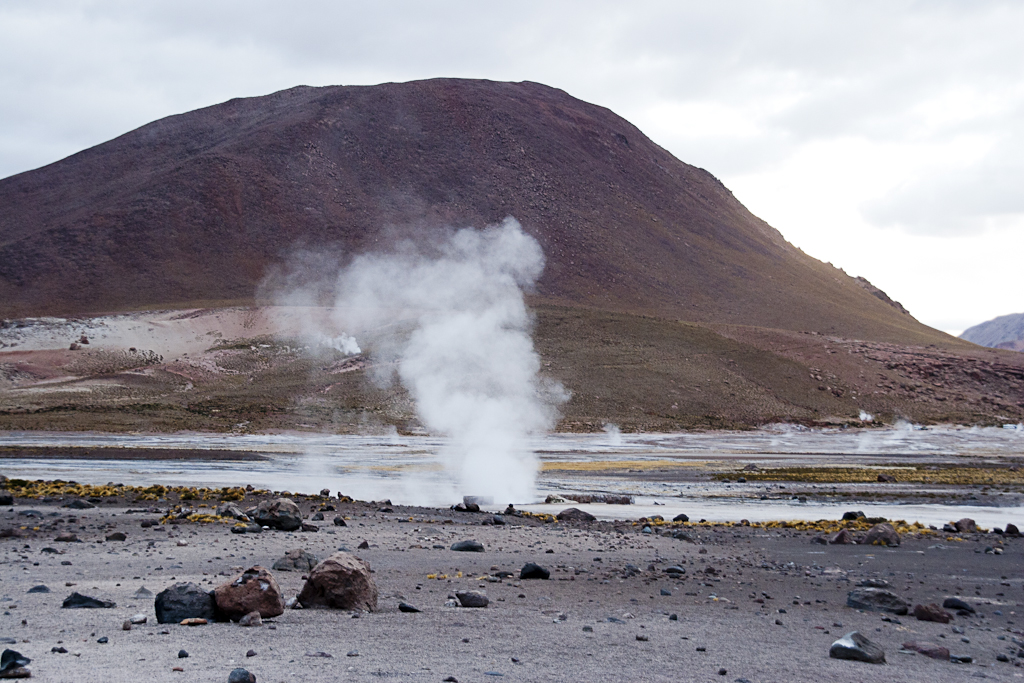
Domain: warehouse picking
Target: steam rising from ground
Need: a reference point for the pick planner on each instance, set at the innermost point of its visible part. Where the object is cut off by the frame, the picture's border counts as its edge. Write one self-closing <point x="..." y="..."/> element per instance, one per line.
<point x="449" y="321"/>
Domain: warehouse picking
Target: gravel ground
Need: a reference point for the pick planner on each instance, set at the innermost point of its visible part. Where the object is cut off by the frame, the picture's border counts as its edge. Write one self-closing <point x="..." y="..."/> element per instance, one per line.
<point x="595" y="619"/>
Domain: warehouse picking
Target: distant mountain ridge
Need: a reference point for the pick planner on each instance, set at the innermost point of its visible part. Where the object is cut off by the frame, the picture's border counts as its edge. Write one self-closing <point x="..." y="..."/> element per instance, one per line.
<point x="1004" y="332"/>
<point x="196" y="208"/>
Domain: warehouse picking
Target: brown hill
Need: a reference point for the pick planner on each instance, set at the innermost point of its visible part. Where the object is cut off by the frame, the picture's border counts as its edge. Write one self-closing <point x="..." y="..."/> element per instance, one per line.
<point x="195" y="207"/>
<point x="665" y="304"/>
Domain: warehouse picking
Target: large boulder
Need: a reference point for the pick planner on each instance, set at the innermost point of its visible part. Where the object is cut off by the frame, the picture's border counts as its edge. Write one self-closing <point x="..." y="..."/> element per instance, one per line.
<point x="966" y="526"/>
<point x="575" y="515"/>
<point x="342" y="581"/>
<point x="183" y="600"/>
<point x="281" y="513"/>
<point x="296" y="560"/>
<point x="876" y="600"/>
<point x="254" y="590"/>
<point x="858" y="648"/>
<point x="882" y="534"/>
<point x="531" y="570"/>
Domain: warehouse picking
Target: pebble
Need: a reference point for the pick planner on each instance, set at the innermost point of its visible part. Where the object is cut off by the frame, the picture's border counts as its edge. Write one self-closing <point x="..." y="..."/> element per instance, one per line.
<point x="250" y="653"/>
<point x="103" y="640"/>
<point x="182" y="654"/>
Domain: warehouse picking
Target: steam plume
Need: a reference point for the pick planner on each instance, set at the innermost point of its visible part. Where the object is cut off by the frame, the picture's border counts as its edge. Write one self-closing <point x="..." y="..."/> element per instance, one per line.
<point x="449" y="321"/>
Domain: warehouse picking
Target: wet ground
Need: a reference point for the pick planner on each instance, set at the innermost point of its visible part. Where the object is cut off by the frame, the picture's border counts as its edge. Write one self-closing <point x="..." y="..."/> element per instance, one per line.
<point x="694" y="473"/>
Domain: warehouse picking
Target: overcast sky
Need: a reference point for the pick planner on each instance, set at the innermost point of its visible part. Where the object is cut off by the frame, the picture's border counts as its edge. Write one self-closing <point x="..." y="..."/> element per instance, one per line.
<point x="885" y="137"/>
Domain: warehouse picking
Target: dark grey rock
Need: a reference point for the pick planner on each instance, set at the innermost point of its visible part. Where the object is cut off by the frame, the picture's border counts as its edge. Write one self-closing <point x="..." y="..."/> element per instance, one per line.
<point x="852" y="516"/>
<point x="296" y="560"/>
<point x="882" y="534"/>
<point x="957" y="604"/>
<point x="39" y="589"/>
<point x="674" y="569"/>
<point x="317" y="517"/>
<point x="406" y="607"/>
<point x="472" y="598"/>
<point x="966" y="525"/>
<point x="103" y="641"/>
<point x="79" y="504"/>
<point x="856" y="647"/>
<point x="339" y="521"/>
<point x="12" y="659"/>
<point x="281" y="513"/>
<point x="876" y="600"/>
<point x="6" y="499"/>
<point x="117" y="536"/>
<point x="681" y="517"/>
<point x="531" y="570"/>
<point x="79" y="601"/>
<point x="468" y="546"/>
<point x="498" y="520"/>
<point x="183" y="600"/>
<point x="575" y="515"/>
<point x="241" y="675"/>
<point x="665" y="591"/>
<point x="182" y="654"/>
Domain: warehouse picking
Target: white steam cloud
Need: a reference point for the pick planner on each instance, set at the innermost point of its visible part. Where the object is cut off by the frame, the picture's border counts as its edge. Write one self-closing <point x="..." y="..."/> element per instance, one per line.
<point x="450" y="322"/>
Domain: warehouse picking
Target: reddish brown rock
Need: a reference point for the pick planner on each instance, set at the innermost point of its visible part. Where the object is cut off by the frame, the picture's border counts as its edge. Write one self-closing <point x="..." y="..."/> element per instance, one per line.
<point x="932" y="612"/>
<point x="841" y="537"/>
<point x="882" y="534"/>
<point x="927" y="649"/>
<point x="254" y="590"/>
<point x="342" y="581"/>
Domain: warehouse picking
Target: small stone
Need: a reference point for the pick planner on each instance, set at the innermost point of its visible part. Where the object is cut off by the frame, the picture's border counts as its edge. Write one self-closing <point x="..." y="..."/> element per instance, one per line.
<point x="722" y="672"/>
<point x="39" y="589"/>
<point x="117" y="536"/>
<point x="79" y="504"/>
<point x="406" y="607"/>
<point x="102" y="641"/>
<point x="251" y="619"/>
<point x="876" y="600"/>
<point x="352" y="653"/>
<point x="194" y="621"/>
<point x="182" y="654"/>
<point x="472" y="598"/>
<point x="1002" y="658"/>
<point x="59" y="650"/>
<point x="339" y="521"/>
<point x="138" y="619"/>
<point x="927" y="649"/>
<point x="296" y="560"/>
<point x="666" y="592"/>
<point x="320" y="653"/>
<point x="932" y="612"/>
<point x="250" y="653"/>
<point x="68" y="538"/>
<point x="642" y="638"/>
<point x="79" y="601"/>
<point x="588" y="629"/>
<point x="856" y="647"/>
<point x="841" y="537"/>
<point x="468" y="546"/>
<point x="365" y="545"/>
<point x="126" y="625"/>
<point x="681" y="518"/>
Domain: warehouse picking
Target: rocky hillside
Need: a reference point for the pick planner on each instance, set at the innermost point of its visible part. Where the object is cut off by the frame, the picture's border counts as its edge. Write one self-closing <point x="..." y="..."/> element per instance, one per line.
<point x="1004" y="332"/>
<point x="196" y="207"/>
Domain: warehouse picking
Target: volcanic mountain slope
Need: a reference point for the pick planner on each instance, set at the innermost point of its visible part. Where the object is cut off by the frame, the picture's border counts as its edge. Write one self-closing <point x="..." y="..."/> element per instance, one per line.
<point x="1004" y="332"/>
<point x="196" y="207"/>
<point x="664" y="304"/>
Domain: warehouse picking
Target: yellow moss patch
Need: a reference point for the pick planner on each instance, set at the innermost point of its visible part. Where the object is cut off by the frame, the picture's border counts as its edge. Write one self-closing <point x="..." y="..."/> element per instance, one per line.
<point x="861" y="475"/>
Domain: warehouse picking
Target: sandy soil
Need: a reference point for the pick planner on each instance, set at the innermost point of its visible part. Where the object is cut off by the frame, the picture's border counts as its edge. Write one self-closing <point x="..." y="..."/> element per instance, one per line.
<point x="532" y="630"/>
